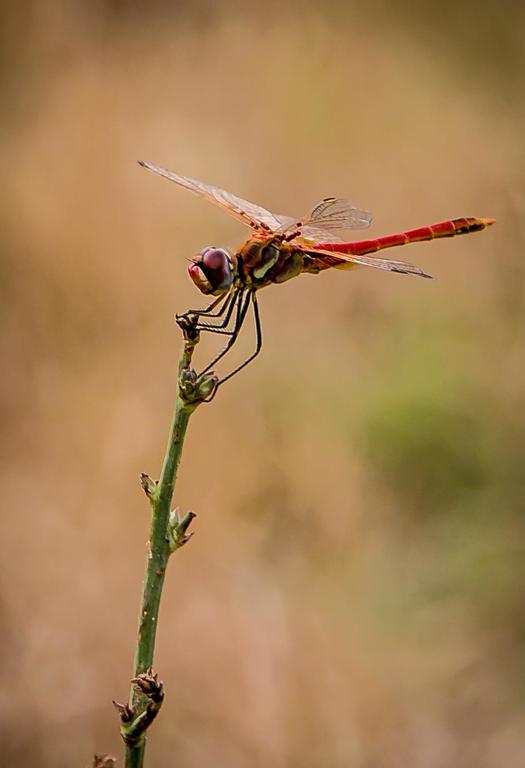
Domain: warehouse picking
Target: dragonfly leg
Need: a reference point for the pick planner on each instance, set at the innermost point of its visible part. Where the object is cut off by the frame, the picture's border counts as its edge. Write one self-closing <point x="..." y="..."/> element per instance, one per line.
<point x="242" y="309"/>
<point x="207" y="311"/>
<point x="229" y="306"/>
<point x="258" y="346"/>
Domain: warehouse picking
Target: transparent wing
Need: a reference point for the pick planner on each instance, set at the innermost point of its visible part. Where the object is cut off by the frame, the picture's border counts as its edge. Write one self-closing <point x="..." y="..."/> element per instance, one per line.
<point x="312" y="235"/>
<point x="286" y="222"/>
<point x="337" y="213"/>
<point x="330" y="214"/>
<point x="346" y="261"/>
<point x="250" y="214"/>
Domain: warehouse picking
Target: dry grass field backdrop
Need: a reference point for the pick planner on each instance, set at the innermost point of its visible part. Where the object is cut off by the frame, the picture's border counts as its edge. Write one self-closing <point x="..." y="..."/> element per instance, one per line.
<point x="354" y="594"/>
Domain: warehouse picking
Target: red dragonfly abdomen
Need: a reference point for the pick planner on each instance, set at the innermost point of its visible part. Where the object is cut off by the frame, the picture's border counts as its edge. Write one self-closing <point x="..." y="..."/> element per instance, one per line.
<point x="442" y="229"/>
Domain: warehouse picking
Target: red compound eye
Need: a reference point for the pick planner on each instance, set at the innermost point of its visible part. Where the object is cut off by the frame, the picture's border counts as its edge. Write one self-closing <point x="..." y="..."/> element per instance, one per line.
<point x="211" y="271"/>
<point x="214" y="259"/>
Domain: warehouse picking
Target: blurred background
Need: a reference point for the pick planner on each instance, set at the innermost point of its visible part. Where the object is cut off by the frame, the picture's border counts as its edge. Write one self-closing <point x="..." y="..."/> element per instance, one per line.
<point x="354" y="593"/>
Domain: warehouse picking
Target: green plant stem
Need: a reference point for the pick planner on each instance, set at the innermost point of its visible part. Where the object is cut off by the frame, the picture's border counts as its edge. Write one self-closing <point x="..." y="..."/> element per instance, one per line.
<point x="158" y="556"/>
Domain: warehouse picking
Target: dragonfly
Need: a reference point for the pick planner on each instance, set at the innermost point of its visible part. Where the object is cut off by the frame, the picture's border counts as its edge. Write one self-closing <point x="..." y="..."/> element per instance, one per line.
<point x="282" y="247"/>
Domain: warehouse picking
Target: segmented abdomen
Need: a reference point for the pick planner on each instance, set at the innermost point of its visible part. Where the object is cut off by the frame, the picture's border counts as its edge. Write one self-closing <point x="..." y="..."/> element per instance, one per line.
<point x="442" y="229"/>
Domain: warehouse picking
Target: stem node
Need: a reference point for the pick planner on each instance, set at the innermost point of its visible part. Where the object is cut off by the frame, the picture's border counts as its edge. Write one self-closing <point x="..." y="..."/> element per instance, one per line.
<point x="104" y="761"/>
<point x="178" y="527"/>
<point x="149" y="486"/>
<point x="134" y="724"/>
<point x="196" y="389"/>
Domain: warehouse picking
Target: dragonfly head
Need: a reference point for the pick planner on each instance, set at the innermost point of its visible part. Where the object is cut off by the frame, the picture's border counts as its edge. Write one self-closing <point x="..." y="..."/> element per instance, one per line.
<point x="212" y="271"/>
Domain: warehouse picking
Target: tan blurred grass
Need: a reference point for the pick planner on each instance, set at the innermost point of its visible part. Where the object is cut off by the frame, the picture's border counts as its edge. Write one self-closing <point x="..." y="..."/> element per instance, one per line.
<point x="353" y="594"/>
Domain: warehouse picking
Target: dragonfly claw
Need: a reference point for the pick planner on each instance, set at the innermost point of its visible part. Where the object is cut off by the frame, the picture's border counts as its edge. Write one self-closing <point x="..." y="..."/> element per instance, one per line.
<point x="187" y="322"/>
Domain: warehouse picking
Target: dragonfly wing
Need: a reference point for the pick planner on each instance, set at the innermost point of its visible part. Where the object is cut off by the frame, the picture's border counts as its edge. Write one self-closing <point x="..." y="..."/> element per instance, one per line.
<point x="336" y="213"/>
<point x="330" y="214"/>
<point x="347" y="261"/>
<point x="286" y="223"/>
<point x="314" y="235"/>
<point x="250" y="214"/>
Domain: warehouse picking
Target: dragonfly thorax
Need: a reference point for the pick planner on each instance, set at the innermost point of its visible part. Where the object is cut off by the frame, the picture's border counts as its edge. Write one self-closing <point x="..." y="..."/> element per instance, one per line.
<point x="212" y="271"/>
